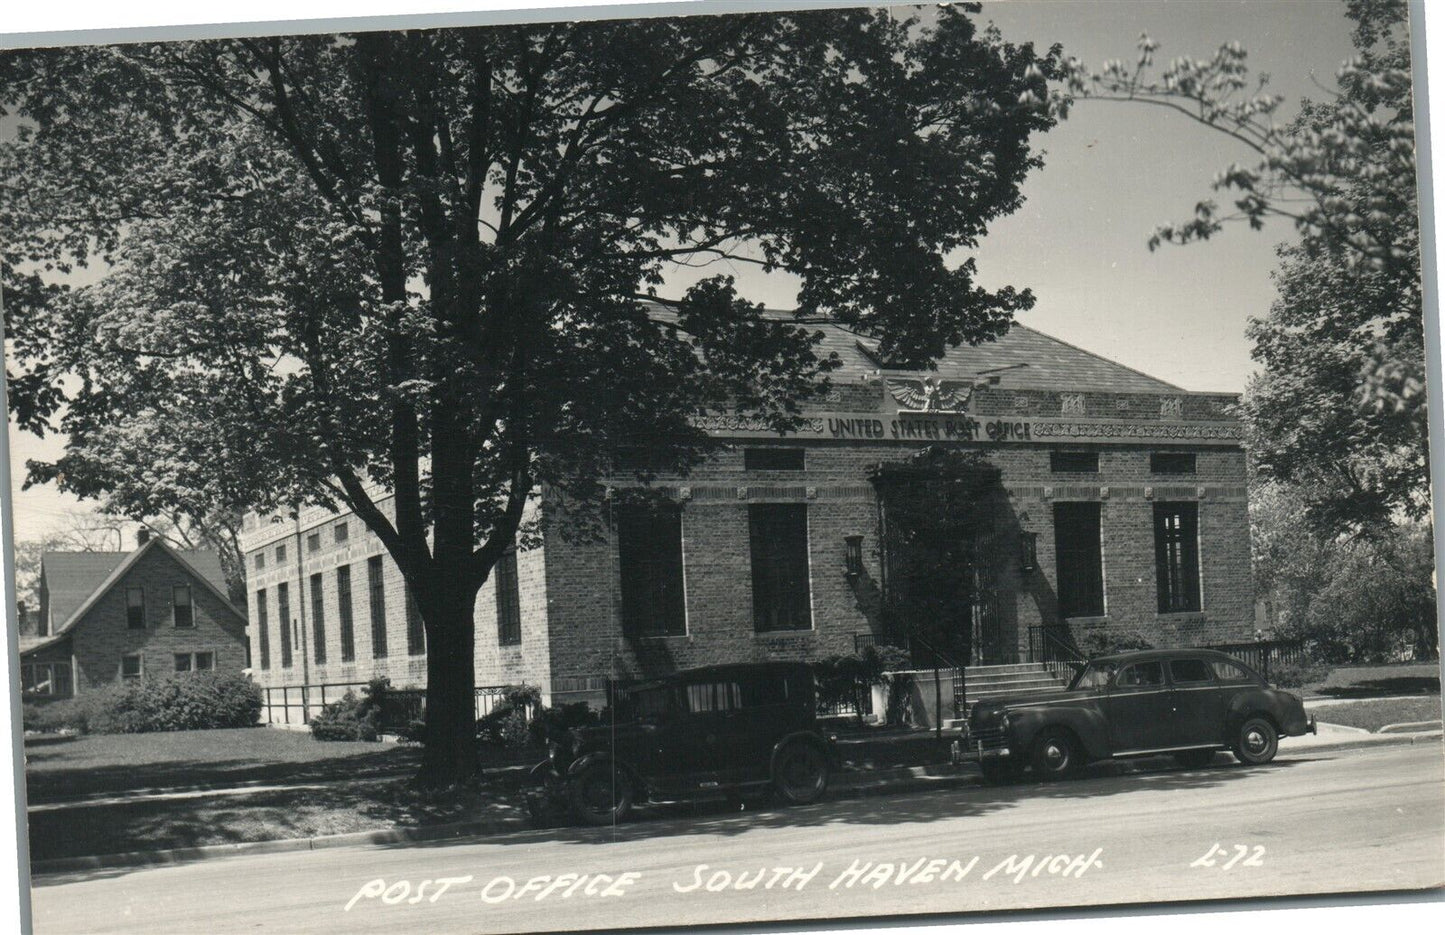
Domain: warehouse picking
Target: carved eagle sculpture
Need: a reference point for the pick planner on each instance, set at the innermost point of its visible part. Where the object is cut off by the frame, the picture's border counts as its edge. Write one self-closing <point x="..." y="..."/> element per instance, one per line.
<point x="930" y="395"/>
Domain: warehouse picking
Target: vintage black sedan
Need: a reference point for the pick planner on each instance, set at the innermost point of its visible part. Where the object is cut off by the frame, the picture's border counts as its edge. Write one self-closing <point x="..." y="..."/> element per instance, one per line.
<point x="1188" y="703"/>
<point x="717" y="730"/>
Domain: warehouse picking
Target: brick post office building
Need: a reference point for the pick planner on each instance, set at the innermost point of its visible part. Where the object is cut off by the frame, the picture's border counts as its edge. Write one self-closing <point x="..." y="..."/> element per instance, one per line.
<point x="1116" y="508"/>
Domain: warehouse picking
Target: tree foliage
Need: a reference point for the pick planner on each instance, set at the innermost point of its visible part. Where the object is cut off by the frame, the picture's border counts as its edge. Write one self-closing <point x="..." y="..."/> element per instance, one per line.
<point x="1339" y="406"/>
<point x="431" y="262"/>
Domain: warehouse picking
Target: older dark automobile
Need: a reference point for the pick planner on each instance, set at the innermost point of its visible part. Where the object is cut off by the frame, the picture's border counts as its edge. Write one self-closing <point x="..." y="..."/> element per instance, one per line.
<point x="1188" y="703"/>
<point x="713" y="730"/>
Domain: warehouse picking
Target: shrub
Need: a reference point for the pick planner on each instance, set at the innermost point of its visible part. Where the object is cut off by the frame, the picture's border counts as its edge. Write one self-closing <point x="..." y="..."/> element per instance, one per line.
<point x="1295" y="675"/>
<point x="47" y="716"/>
<point x="353" y="717"/>
<point x="188" y="701"/>
<point x="506" y="724"/>
<point x="1109" y="642"/>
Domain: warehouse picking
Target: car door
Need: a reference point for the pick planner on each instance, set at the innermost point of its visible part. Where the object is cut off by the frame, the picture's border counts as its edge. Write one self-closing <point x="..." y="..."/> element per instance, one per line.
<point x="1197" y="701"/>
<point x="713" y="707"/>
<point x="657" y="741"/>
<point x="1139" y="707"/>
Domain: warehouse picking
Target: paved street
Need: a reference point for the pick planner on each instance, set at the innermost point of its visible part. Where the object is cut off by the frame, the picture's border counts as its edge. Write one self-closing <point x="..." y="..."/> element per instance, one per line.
<point x="1313" y="822"/>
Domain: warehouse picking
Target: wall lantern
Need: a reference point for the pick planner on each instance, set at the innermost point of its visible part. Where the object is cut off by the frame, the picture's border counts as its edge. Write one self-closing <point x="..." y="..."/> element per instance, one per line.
<point x="853" y="556"/>
<point x="1028" y="551"/>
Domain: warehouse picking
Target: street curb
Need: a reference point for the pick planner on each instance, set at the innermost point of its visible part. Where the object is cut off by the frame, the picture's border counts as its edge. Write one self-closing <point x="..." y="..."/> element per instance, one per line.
<point x="852" y="784"/>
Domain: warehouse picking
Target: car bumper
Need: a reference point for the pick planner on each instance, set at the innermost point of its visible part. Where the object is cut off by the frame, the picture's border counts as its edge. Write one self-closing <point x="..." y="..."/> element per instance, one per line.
<point x="972" y="748"/>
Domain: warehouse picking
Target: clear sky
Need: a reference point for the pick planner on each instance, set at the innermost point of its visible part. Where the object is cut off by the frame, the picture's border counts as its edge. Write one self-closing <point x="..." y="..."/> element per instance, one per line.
<point x="1113" y="172"/>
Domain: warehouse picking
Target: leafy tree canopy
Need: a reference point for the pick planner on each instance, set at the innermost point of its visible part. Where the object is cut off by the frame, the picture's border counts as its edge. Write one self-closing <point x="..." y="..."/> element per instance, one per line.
<point x="1339" y="407"/>
<point x="424" y="261"/>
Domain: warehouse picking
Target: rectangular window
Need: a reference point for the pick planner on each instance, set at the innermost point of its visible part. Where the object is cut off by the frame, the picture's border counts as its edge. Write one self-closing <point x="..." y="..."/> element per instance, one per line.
<point x="263" y="629"/>
<point x="415" y="629"/>
<point x="772" y="459"/>
<point x="377" y="592"/>
<point x="1074" y="462"/>
<point x="205" y="662"/>
<point x="46" y="678"/>
<point x="649" y="556"/>
<point x="343" y="613"/>
<point x="260" y="560"/>
<point x="1079" y="553"/>
<point x="313" y="542"/>
<point x="714" y="696"/>
<point x="342" y="534"/>
<point x="1171" y="462"/>
<point x="182" y="613"/>
<point x="183" y="662"/>
<point x="778" y="541"/>
<point x="280" y="553"/>
<point x="135" y="608"/>
<point x="130" y="666"/>
<point x="318" y="620"/>
<point x="283" y="619"/>
<point x="1176" y="556"/>
<point x="509" y="609"/>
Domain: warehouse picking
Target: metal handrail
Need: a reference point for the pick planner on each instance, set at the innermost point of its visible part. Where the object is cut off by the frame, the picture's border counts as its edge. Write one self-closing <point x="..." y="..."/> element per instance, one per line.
<point x="1054" y="646"/>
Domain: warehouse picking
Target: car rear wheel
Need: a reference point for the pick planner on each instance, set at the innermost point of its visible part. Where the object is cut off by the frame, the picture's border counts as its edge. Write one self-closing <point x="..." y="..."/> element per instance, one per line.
<point x="800" y="774"/>
<point x="1056" y="755"/>
<point x="601" y="794"/>
<point x="1256" y="742"/>
<point x="1194" y="759"/>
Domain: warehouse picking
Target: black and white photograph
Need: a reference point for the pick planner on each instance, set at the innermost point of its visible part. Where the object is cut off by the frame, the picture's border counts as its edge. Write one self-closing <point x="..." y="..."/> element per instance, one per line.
<point x="595" y="468"/>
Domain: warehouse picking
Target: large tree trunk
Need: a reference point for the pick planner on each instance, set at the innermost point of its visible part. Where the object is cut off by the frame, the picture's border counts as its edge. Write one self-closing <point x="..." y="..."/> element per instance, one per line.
<point x="450" y="754"/>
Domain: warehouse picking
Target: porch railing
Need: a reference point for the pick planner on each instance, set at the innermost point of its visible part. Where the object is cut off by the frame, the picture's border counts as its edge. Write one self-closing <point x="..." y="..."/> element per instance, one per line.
<point x="1053" y="645"/>
<point x="1264" y="655"/>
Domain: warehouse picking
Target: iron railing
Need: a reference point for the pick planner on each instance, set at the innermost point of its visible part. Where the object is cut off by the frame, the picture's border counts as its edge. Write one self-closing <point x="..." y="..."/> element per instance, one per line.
<point x="297" y="704"/>
<point x="1053" y="645"/>
<point x="1262" y="655"/>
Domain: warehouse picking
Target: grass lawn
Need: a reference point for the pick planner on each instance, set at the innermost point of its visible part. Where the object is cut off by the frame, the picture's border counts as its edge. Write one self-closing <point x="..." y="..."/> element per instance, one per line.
<point x="1367" y="681"/>
<point x="1372" y="715"/>
<point x="57" y="767"/>
<point x="290" y="813"/>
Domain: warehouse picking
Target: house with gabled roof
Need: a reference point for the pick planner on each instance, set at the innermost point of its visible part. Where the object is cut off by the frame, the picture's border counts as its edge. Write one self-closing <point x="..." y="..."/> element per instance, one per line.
<point x="1118" y="517"/>
<point x="109" y="616"/>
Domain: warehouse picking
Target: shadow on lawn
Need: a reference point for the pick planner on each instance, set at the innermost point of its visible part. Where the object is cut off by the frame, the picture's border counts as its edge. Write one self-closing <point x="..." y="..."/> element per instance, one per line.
<point x="61" y="783"/>
<point x="1379" y="688"/>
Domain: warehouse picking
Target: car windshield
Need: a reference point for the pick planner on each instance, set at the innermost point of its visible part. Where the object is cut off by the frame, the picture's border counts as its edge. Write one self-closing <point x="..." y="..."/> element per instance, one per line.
<point x="1095" y="675"/>
<point x="647" y="705"/>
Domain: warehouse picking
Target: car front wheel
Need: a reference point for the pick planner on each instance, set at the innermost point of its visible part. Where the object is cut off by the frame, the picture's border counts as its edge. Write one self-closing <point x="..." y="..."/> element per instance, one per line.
<point x="1257" y="742"/>
<point x="1056" y="755"/>
<point x="800" y="775"/>
<point x="601" y="795"/>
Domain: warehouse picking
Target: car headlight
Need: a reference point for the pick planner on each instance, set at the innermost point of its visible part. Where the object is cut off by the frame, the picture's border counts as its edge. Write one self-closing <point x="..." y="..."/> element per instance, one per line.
<point x="554" y="751"/>
<point x="1003" y="721"/>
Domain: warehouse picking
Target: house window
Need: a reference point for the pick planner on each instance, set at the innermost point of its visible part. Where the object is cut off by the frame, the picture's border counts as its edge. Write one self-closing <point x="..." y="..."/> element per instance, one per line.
<point x="260" y="560"/>
<point x="46" y="678"/>
<point x="182" y="612"/>
<point x="343" y="613"/>
<point x="778" y="541"/>
<point x="1079" y="553"/>
<point x="283" y="620"/>
<point x="342" y="534"/>
<point x="263" y="629"/>
<point x="318" y="620"/>
<point x="1074" y="462"/>
<point x="280" y="553"/>
<point x="649" y="554"/>
<point x="130" y="666"/>
<point x="313" y="542"/>
<point x="1171" y="462"/>
<point x="509" y="610"/>
<point x="195" y="662"/>
<point x="772" y="459"/>
<point x="415" y="629"/>
<point x="1176" y="556"/>
<point x="377" y="592"/>
<point x="135" y="608"/>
